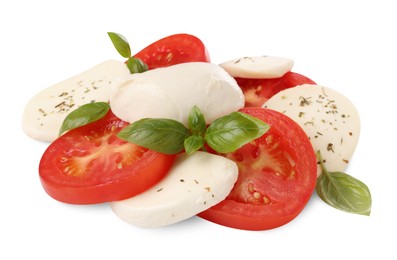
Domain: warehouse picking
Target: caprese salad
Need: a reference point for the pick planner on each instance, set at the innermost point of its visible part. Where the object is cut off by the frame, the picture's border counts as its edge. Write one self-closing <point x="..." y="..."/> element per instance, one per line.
<point x="166" y="135"/>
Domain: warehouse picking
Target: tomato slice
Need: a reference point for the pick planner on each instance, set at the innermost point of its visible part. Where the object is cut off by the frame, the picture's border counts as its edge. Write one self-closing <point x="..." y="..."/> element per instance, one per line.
<point x="90" y="164"/>
<point x="258" y="91"/>
<point x="174" y="49"/>
<point x="277" y="176"/>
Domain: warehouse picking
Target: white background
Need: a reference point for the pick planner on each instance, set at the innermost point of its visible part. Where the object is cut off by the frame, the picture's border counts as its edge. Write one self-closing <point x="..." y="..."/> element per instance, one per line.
<point x="347" y="45"/>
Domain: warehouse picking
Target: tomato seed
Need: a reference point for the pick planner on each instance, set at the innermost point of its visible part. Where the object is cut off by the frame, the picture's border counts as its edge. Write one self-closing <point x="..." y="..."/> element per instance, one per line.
<point x="269" y="139"/>
<point x="257" y="195"/>
<point x="266" y="200"/>
<point x="251" y="188"/>
<point x="169" y="57"/>
<point x="255" y="152"/>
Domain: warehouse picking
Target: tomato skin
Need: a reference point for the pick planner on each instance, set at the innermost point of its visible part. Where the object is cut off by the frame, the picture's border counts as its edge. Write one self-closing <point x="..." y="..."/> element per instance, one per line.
<point x="152" y="163"/>
<point x="280" y="197"/>
<point x="258" y="91"/>
<point x="101" y="183"/>
<point x="174" y="49"/>
<point x="224" y="216"/>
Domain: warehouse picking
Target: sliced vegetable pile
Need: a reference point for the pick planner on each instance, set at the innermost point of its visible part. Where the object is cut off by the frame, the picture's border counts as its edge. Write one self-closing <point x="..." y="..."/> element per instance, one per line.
<point x="167" y="135"/>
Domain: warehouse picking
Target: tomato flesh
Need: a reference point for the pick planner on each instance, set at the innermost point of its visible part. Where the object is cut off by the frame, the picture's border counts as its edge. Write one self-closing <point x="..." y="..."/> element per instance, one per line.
<point x="90" y="164"/>
<point x="258" y="91"/>
<point x="174" y="49"/>
<point x="277" y="175"/>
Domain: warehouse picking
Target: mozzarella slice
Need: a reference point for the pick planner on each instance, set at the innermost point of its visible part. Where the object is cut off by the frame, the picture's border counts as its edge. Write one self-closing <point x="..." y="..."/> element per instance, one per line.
<point x="258" y="67"/>
<point x="194" y="184"/>
<point x="45" y="112"/>
<point x="330" y="120"/>
<point x="173" y="91"/>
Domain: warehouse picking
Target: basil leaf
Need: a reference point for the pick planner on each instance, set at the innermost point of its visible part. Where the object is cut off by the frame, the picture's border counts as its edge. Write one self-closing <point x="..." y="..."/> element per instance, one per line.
<point x="121" y="44"/>
<point x="193" y="143"/>
<point x="196" y="121"/>
<point x="161" y="135"/>
<point x="83" y="115"/>
<point x="136" y="65"/>
<point x="227" y="134"/>
<point x="344" y="192"/>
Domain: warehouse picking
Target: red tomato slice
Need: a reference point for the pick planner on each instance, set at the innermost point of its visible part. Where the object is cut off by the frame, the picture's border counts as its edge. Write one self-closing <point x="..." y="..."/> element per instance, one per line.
<point x="258" y="91"/>
<point x="174" y="49"/>
<point x="90" y="164"/>
<point x="277" y="176"/>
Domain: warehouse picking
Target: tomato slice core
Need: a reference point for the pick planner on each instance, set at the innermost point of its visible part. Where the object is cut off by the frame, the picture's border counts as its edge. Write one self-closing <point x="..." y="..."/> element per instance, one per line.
<point x="90" y="164"/>
<point x="277" y="175"/>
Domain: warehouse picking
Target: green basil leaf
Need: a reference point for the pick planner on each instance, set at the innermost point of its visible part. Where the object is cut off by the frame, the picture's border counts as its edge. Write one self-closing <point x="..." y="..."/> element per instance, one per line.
<point x="196" y="121"/>
<point x="121" y="44"/>
<point x="193" y="143"/>
<point x="83" y="115"/>
<point x="136" y="65"/>
<point x="227" y="134"/>
<point x="162" y="135"/>
<point x="344" y="192"/>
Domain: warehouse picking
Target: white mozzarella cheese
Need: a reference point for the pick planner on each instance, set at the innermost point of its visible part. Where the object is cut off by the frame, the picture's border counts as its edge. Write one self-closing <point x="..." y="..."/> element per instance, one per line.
<point x="173" y="91"/>
<point x="330" y="120"/>
<point x="194" y="184"/>
<point x="258" y="67"/>
<point x="45" y="112"/>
